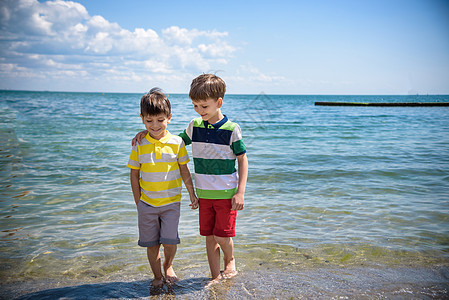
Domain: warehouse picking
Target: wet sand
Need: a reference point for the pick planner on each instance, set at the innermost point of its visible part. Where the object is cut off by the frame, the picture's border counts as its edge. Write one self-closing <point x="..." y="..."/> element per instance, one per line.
<point x="321" y="283"/>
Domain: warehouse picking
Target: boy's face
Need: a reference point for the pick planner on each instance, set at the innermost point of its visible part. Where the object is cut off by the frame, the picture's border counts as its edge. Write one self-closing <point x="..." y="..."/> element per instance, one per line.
<point x="156" y="125"/>
<point x="209" y="109"/>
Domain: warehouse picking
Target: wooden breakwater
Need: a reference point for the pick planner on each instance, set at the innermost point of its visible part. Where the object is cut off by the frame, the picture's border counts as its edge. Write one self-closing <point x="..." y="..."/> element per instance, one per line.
<point x="382" y="103"/>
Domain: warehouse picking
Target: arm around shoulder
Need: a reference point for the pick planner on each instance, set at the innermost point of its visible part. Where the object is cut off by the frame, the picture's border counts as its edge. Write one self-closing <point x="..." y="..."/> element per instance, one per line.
<point x="139" y="137"/>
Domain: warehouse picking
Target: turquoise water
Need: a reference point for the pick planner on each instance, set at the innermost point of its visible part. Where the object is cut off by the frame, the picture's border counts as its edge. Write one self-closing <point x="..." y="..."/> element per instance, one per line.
<point x="340" y="189"/>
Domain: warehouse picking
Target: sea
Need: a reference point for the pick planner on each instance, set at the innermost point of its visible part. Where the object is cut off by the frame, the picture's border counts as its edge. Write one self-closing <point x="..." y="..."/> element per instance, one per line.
<point x="342" y="202"/>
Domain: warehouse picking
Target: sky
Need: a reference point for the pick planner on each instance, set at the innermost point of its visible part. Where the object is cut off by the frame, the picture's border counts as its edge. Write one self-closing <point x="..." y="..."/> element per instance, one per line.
<point x="322" y="47"/>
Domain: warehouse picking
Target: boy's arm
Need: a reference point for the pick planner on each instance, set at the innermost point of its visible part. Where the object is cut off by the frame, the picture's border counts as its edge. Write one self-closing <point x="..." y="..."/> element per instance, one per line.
<point x="135" y="185"/>
<point x="187" y="178"/>
<point x="186" y="135"/>
<point x="185" y="138"/>
<point x="239" y="197"/>
<point x="139" y="137"/>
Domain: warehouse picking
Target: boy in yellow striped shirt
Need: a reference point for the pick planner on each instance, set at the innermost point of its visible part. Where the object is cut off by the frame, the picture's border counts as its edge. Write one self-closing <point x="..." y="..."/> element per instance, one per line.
<point x="158" y="163"/>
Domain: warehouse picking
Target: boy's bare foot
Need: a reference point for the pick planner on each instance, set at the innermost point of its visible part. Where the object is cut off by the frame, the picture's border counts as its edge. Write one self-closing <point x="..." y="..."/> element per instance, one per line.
<point x="158" y="283"/>
<point x="230" y="274"/>
<point x="170" y="276"/>
<point x="230" y="270"/>
<point x="215" y="280"/>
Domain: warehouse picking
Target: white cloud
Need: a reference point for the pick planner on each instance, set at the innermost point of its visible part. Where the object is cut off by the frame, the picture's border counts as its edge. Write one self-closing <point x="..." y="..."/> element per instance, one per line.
<point x="216" y="50"/>
<point x="252" y="73"/>
<point x="157" y="66"/>
<point x="178" y="35"/>
<point x="7" y="67"/>
<point x="59" y="38"/>
<point x="31" y="18"/>
<point x="184" y="36"/>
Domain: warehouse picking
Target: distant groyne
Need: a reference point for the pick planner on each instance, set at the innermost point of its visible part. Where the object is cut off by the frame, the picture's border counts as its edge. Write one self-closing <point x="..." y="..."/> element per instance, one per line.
<point x="382" y="103"/>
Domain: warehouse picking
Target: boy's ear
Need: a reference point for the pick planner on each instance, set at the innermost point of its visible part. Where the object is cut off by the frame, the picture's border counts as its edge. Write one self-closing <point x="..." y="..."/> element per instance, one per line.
<point x="169" y="118"/>
<point x="142" y="118"/>
<point x="220" y="102"/>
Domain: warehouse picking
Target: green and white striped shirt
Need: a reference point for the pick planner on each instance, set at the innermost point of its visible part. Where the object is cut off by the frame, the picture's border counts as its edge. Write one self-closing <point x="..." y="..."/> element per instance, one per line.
<point x="215" y="148"/>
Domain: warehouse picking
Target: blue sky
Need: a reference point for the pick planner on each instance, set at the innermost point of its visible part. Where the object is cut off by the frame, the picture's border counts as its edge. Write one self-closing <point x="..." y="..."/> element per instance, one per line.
<point x="275" y="47"/>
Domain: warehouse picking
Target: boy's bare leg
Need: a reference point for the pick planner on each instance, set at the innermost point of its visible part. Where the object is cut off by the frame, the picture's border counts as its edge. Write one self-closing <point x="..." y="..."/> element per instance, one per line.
<point x="169" y="255"/>
<point x="227" y="246"/>
<point x="154" y="258"/>
<point x="213" y="256"/>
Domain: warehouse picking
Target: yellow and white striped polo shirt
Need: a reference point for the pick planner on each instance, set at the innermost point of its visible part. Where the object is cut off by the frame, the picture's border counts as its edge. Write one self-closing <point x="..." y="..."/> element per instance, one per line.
<point x="158" y="162"/>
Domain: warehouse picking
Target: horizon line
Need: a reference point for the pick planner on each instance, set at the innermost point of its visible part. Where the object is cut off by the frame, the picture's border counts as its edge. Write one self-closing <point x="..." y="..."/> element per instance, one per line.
<point x="287" y="94"/>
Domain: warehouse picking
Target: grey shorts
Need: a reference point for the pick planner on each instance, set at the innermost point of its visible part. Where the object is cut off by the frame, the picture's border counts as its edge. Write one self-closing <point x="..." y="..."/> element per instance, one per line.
<point x="158" y="225"/>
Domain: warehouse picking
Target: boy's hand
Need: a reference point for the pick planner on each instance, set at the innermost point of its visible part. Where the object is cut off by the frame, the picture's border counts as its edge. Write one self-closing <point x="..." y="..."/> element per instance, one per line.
<point x="193" y="202"/>
<point x="139" y="137"/>
<point x="238" y="202"/>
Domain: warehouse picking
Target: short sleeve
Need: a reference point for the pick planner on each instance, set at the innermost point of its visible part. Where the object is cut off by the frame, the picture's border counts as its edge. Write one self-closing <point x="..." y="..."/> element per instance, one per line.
<point x="237" y="144"/>
<point x="133" y="161"/>
<point x="183" y="157"/>
<point x="186" y="135"/>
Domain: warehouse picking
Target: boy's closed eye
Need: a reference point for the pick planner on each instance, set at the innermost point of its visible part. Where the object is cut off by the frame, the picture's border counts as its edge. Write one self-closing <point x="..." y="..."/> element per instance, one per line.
<point x="159" y="121"/>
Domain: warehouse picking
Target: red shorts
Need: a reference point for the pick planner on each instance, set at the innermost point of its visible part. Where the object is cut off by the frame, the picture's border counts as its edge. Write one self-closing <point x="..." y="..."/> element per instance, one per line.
<point x="217" y="218"/>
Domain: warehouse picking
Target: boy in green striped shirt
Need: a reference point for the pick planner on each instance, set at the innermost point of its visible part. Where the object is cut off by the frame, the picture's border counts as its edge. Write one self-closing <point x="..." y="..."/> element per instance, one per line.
<point x="216" y="145"/>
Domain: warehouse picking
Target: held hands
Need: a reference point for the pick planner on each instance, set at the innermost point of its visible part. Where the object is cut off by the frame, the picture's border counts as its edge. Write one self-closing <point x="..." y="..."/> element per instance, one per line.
<point x="238" y="202"/>
<point x="193" y="202"/>
<point x="139" y="137"/>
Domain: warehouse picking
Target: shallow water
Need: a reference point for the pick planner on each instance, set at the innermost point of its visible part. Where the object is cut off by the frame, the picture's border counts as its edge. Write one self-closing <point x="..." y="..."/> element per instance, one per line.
<point x="329" y="283"/>
<point x="333" y="192"/>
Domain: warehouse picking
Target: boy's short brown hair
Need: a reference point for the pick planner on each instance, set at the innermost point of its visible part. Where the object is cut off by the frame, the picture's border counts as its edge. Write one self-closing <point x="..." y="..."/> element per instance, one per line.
<point x="207" y="86"/>
<point x="154" y="103"/>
